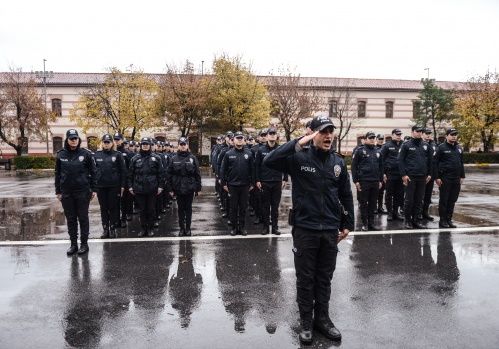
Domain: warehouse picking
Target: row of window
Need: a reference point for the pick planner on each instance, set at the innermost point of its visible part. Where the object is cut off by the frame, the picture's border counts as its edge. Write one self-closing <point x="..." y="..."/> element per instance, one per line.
<point x="361" y="109"/>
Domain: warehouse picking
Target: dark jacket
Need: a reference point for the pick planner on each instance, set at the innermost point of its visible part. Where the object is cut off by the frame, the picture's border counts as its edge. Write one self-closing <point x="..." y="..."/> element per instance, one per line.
<point x="111" y="170"/>
<point x="183" y="175"/>
<point x="74" y="170"/>
<point x="415" y="158"/>
<point x="320" y="185"/>
<point x="390" y="153"/>
<point x="448" y="161"/>
<point x="224" y="148"/>
<point x="262" y="172"/>
<point x="367" y="164"/>
<point x="146" y="173"/>
<point x="238" y="168"/>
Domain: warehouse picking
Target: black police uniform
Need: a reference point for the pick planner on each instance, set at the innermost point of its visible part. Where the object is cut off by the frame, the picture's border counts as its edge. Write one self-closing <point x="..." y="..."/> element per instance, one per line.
<point x="145" y="176"/>
<point x="449" y="169"/>
<point x="357" y="190"/>
<point x="415" y="161"/>
<point x="367" y="169"/>
<point x="394" y="185"/>
<point x="184" y="180"/>
<point x="271" y="181"/>
<point x="256" y="195"/>
<point x="125" y="205"/>
<point x="429" y="187"/>
<point x="224" y="196"/>
<point x="75" y="180"/>
<point x="237" y="172"/>
<point x="381" y="192"/>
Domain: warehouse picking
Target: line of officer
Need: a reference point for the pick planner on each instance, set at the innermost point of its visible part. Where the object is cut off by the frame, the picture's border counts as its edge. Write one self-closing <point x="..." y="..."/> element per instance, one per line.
<point x="146" y="176"/>
<point x="126" y="202"/>
<point x="367" y="174"/>
<point x="449" y="176"/>
<point x="270" y="182"/>
<point x="415" y="166"/>
<point x="111" y="184"/>
<point x="426" y="135"/>
<point x="75" y="186"/>
<point x="380" y="139"/>
<point x="321" y="184"/>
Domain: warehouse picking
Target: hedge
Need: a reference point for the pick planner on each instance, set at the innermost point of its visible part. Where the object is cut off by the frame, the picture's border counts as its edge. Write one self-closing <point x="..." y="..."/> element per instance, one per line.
<point x="34" y="162"/>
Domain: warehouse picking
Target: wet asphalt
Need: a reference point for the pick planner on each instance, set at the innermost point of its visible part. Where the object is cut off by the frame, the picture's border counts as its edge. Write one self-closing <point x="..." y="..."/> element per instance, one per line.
<point x="391" y="289"/>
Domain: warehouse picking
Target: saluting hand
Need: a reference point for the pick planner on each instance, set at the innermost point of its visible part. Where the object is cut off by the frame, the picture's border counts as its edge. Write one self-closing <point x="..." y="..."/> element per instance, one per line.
<point x="305" y="140"/>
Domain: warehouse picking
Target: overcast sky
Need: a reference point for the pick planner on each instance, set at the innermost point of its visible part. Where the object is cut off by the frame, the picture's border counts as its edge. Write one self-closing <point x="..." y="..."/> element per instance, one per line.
<point x="349" y="38"/>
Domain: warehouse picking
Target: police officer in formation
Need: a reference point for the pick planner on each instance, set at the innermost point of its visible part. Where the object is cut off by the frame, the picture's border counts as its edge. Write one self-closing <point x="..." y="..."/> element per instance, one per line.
<point x="224" y="195"/>
<point x="380" y="139"/>
<point x="320" y="185"/>
<point x="429" y="186"/>
<point x="256" y="196"/>
<point x="111" y="184"/>
<point x="449" y="176"/>
<point x="126" y="202"/>
<point x="415" y="166"/>
<point x="75" y="187"/>
<point x="270" y="182"/>
<point x="184" y="181"/>
<point x="146" y="177"/>
<point x="237" y="179"/>
<point x="367" y="174"/>
<point x="391" y="176"/>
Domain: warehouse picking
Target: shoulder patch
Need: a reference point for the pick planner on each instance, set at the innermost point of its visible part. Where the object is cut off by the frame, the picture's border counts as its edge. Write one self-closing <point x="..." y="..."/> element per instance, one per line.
<point x="337" y="170"/>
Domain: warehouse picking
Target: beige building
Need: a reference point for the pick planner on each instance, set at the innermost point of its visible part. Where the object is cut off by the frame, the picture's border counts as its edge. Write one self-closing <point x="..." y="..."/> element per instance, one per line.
<point x="380" y="105"/>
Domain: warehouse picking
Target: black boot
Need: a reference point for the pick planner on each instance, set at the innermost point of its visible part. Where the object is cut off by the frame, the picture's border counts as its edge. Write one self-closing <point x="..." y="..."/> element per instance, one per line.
<point x="418" y="225"/>
<point x="397" y="217"/>
<point x="306" y="335"/>
<point x="188" y="229"/>
<point x="182" y="230"/>
<point x="443" y="223"/>
<point x="408" y="224"/>
<point x="123" y="223"/>
<point x="105" y="233"/>
<point x="450" y="223"/>
<point x="112" y="232"/>
<point x="381" y="210"/>
<point x="83" y="247"/>
<point x="150" y="232"/>
<point x="265" y="229"/>
<point x="373" y="227"/>
<point x="275" y="230"/>
<point x="390" y="216"/>
<point x="142" y="233"/>
<point x="73" y="248"/>
<point x="427" y="216"/>
<point x="243" y="231"/>
<point x="323" y="324"/>
<point x="257" y="220"/>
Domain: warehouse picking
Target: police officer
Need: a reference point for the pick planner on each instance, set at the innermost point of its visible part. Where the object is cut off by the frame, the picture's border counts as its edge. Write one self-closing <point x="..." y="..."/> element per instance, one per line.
<point x="237" y="175"/>
<point x="270" y="182"/>
<point x="415" y="166"/>
<point x="449" y="175"/>
<point x="367" y="174"/>
<point x="257" y="194"/>
<point x="145" y="180"/>
<point x="224" y="196"/>
<point x="75" y="186"/>
<point x="426" y="135"/>
<point x="126" y="202"/>
<point x="184" y="181"/>
<point x="393" y="180"/>
<point x="213" y="164"/>
<point x="111" y="184"/>
<point x="320" y="185"/>
<point x="380" y="139"/>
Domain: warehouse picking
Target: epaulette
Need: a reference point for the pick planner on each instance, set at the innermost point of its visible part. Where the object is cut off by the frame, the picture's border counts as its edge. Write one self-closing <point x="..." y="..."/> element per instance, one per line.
<point x="339" y="154"/>
<point x="87" y="150"/>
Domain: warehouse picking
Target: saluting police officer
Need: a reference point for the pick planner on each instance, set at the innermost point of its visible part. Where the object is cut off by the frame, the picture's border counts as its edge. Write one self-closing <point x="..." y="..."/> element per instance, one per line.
<point x="75" y="187"/>
<point x="426" y="135"/>
<point x="367" y="174"/>
<point x="237" y="175"/>
<point x="111" y="184"/>
<point x="415" y="166"/>
<point x="145" y="180"/>
<point x="126" y="202"/>
<point x="321" y="185"/>
<point x="449" y="175"/>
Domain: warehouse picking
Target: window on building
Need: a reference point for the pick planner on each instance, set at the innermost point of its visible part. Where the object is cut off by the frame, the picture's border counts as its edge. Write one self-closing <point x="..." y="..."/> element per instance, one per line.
<point x="24" y="142"/>
<point x="57" y="107"/>
<point x="160" y="138"/>
<point x="56" y="144"/>
<point x="416" y="107"/>
<point x="333" y="109"/>
<point x="389" y="110"/>
<point x="361" y="109"/>
<point x="359" y="140"/>
<point x="92" y="143"/>
<point x="194" y="145"/>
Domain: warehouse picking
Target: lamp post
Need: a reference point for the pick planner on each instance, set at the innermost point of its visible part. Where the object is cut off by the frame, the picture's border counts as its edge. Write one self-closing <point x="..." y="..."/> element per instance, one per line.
<point x="428" y="72"/>
<point x="44" y="75"/>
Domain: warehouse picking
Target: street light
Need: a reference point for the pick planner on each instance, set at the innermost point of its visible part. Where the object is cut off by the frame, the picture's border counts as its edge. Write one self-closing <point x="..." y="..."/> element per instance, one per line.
<point x="45" y="75"/>
<point x="428" y="72"/>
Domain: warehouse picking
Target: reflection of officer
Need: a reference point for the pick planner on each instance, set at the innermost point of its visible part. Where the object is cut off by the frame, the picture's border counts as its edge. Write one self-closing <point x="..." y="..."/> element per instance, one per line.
<point x="184" y="181"/>
<point x="415" y="161"/>
<point x="237" y="174"/>
<point x="270" y="182"/>
<point x="429" y="186"/>
<point x="145" y="178"/>
<point x="75" y="187"/>
<point x="111" y="181"/>
<point x="367" y="174"/>
<point x="380" y="139"/>
<point x="320" y="185"/>
<point x="449" y="175"/>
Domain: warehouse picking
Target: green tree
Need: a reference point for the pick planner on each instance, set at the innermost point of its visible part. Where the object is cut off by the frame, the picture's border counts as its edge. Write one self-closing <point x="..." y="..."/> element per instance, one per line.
<point x="124" y="102"/>
<point x="22" y="111"/>
<point x="434" y="107"/>
<point x="477" y="107"/>
<point x="237" y="98"/>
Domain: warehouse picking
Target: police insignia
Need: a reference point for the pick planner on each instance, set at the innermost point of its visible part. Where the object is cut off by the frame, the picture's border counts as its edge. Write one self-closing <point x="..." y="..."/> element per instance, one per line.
<point x="337" y="170"/>
<point x="191" y="160"/>
<point x="377" y="155"/>
<point x="153" y="159"/>
<point x="245" y="156"/>
<point x="460" y="150"/>
<point x="425" y="147"/>
<point x="81" y="158"/>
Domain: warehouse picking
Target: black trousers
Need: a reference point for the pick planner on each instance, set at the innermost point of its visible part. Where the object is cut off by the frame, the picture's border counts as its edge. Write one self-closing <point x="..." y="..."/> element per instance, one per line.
<point x="271" y="198"/>
<point x="224" y="199"/>
<point x="449" y="193"/>
<point x="238" y="195"/>
<point x="75" y="205"/>
<point x="147" y="207"/>
<point x="109" y="201"/>
<point x="125" y="205"/>
<point x="315" y="254"/>
<point x="394" y="193"/>
<point x="184" y="203"/>
<point x="257" y="203"/>
<point x="427" y="195"/>
<point x="381" y="193"/>
<point x="368" y="200"/>
<point x="414" y="193"/>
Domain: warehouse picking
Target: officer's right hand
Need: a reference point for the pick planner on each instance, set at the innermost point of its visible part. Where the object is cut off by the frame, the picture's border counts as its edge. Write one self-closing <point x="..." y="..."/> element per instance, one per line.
<point x="59" y="197"/>
<point x="259" y="185"/>
<point x="226" y="188"/>
<point x="131" y="191"/>
<point x="439" y="182"/>
<point x="171" y="193"/>
<point x="384" y="178"/>
<point x="357" y="185"/>
<point x="406" y="180"/>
